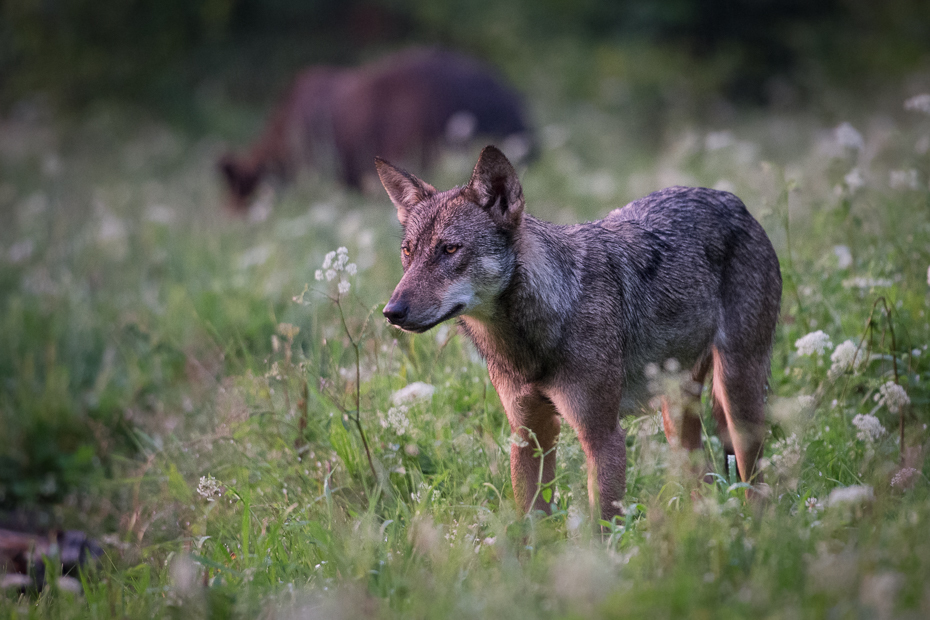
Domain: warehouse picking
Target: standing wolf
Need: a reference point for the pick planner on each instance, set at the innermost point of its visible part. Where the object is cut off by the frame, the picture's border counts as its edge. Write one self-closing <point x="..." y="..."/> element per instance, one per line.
<point x="568" y="317"/>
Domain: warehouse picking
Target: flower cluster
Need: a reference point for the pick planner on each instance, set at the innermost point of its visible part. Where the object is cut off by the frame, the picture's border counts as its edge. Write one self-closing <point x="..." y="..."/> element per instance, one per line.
<point x="843" y="256"/>
<point x="903" y="179"/>
<point x="397" y="420"/>
<point x="904" y="477"/>
<point x="918" y="103"/>
<point x="870" y="428"/>
<point x="854" y="179"/>
<point x="815" y="342"/>
<point x="787" y="457"/>
<point x="412" y="393"/>
<point x="848" y="137"/>
<point x="847" y="356"/>
<point x="334" y="264"/>
<point x="892" y="396"/>
<point x="855" y="494"/>
<point x="209" y="488"/>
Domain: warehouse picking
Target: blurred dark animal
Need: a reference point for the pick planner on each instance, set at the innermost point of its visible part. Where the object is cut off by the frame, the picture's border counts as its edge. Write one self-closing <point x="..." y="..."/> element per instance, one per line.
<point x="23" y="558"/>
<point x="573" y="320"/>
<point x="405" y="107"/>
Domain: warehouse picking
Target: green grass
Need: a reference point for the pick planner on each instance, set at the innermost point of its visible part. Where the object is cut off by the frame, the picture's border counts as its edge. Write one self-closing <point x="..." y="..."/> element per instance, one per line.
<point x="149" y="340"/>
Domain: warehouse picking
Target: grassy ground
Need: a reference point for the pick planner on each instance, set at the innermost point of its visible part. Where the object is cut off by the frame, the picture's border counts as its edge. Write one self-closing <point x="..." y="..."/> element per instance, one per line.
<point x="178" y="383"/>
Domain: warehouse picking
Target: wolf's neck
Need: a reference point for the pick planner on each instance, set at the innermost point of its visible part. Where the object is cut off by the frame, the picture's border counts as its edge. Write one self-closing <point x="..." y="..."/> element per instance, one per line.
<point x="529" y="316"/>
<point x="546" y="280"/>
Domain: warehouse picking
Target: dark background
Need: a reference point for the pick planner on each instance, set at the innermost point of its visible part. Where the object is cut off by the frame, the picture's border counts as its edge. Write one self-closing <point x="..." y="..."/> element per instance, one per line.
<point x="170" y="54"/>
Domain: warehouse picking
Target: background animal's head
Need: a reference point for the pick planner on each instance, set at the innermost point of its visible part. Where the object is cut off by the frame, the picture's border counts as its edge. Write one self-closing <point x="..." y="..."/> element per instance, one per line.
<point x="457" y="250"/>
<point x="242" y="179"/>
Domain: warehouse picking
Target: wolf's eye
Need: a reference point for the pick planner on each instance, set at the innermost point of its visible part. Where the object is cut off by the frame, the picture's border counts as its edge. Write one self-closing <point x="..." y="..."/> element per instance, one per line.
<point x="405" y="250"/>
<point x="452" y="249"/>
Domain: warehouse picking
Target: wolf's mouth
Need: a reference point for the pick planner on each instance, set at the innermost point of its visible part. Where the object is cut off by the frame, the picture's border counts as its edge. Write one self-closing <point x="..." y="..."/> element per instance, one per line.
<point x="419" y="329"/>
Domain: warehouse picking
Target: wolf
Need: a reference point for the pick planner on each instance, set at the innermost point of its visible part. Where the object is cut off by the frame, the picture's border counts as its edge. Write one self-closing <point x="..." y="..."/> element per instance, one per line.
<point x="569" y="318"/>
<point x="404" y="107"/>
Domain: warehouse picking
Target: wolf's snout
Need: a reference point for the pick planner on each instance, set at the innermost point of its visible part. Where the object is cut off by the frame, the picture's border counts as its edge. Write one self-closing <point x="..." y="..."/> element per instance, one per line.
<point x="396" y="311"/>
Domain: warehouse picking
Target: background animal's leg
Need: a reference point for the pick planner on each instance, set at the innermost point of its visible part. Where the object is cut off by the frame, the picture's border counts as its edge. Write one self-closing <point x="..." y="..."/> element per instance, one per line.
<point x="528" y="412"/>
<point x="739" y="388"/>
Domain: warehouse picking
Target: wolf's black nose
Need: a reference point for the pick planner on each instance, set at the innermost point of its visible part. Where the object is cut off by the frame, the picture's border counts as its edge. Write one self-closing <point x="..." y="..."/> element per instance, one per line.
<point x="396" y="311"/>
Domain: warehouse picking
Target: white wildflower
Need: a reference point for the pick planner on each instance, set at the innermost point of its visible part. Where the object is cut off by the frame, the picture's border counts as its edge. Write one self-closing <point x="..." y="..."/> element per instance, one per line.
<point x="806" y="401"/>
<point x="328" y="260"/>
<point x="904" y="477"/>
<point x="255" y="256"/>
<point x="813" y="504"/>
<point x="854" y="180"/>
<point x="22" y="250"/>
<point x="716" y="140"/>
<point x="903" y="179"/>
<point x="855" y="494"/>
<point x="330" y="274"/>
<point x="518" y="441"/>
<point x="814" y="342"/>
<point x="111" y="228"/>
<point x="892" y="396"/>
<point x="209" y="487"/>
<point x="351" y="269"/>
<point x="787" y="455"/>
<point x="416" y="391"/>
<point x="397" y="420"/>
<point x="918" y="103"/>
<point x="318" y="275"/>
<point x="159" y="214"/>
<point x="574" y="519"/>
<point x="870" y="428"/>
<point x="344" y="287"/>
<point x="847" y="356"/>
<point x="847" y="137"/>
<point x="183" y="572"/>
<point x="843" y="256"/>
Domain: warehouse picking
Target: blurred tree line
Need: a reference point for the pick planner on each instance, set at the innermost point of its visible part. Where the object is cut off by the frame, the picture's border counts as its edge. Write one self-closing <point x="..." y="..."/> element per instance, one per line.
<point x="76" y="51"/>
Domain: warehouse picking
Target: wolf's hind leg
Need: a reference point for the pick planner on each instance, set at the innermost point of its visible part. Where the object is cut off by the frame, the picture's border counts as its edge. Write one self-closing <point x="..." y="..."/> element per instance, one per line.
<point x="534" y="419"/>
<point x="739" y="389"/>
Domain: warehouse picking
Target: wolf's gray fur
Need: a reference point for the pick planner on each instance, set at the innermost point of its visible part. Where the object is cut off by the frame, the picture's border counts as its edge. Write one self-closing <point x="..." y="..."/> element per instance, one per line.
<point x="569" y="317"/>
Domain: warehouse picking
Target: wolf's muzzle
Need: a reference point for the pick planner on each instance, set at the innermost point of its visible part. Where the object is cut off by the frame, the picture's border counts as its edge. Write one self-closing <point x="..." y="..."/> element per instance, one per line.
<point x="396" y="312"/>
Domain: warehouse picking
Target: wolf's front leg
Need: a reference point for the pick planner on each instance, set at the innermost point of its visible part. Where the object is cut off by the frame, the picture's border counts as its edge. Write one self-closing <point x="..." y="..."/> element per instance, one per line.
<point x="594" y="416"/>
<point x="533" y="418"/>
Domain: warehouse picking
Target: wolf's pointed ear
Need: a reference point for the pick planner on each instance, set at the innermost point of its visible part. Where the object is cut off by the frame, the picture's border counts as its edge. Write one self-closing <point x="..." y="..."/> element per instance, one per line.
<point x="405" y="190"/>
<point x="495" y="187"/>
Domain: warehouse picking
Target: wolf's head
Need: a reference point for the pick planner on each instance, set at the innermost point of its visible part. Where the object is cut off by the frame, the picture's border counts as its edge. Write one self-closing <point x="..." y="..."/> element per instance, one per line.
<point x="457" y="250"/>
<point x="242" y="178"/>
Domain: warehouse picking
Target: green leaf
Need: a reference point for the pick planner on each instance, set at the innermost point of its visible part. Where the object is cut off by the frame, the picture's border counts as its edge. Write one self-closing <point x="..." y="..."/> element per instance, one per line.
<point x="177" y="485"/>
<point x="342" y="444"/>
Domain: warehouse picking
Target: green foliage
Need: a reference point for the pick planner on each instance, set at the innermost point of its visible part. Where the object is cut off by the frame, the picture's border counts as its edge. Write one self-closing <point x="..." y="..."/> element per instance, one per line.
<point x="177" y="382"/>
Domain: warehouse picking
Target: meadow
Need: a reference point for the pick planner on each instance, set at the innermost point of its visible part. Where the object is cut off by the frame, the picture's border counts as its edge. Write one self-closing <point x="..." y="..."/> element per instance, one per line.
<point x="218" y="400"/>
